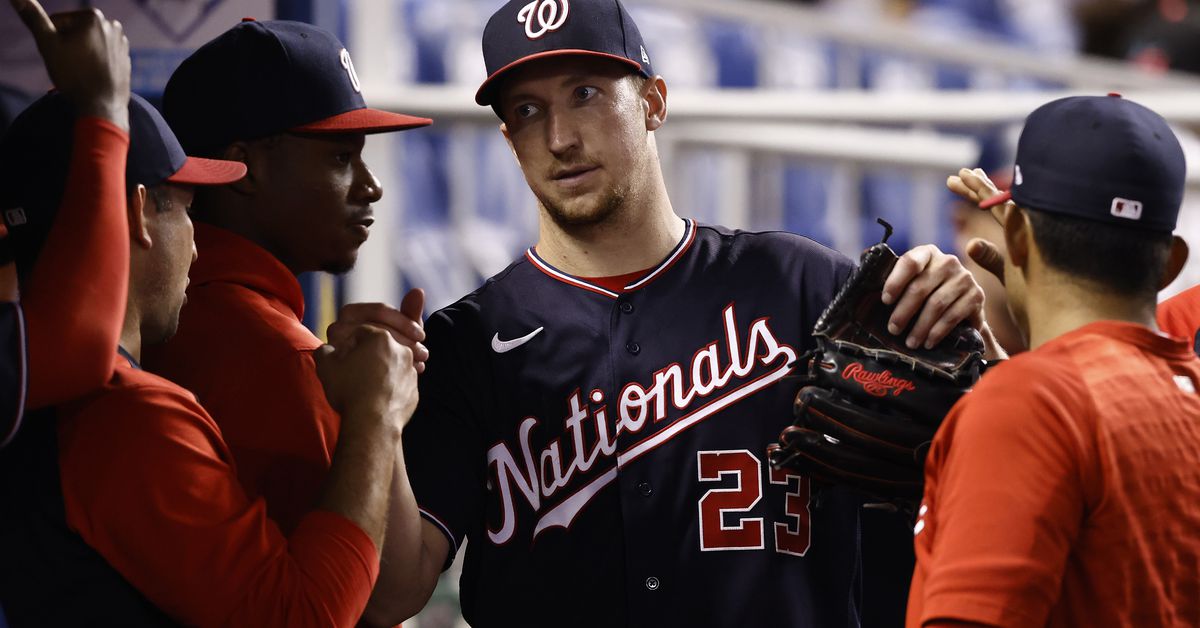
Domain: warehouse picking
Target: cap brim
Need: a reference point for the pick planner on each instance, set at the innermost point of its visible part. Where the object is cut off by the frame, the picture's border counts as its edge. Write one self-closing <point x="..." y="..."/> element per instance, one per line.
<point x="998" y="199"/>
<point x="199" y="171"/>
<point x="484" y="95"/>
<point x="364" y="120"/>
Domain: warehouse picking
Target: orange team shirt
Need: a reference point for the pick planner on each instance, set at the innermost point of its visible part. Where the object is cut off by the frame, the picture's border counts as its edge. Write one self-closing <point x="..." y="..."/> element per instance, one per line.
<point x="243" y="351"/>
<point x="149" y="483"/>
<point x="1180" y="315"/>
<point x="1065" y="489"/>
<point x="74" y="299"/>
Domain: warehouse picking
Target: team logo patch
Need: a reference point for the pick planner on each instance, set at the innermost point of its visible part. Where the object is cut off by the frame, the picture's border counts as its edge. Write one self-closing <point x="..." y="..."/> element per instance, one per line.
<point x="543" y="16"/>
<point x="877" y="384"/>
<point x="348" y="65"/>
<point x="15" y="217"/>
<point x="1125" y="208"/>
<point x="645" y="57"/>
<point x="1017" y="178"/>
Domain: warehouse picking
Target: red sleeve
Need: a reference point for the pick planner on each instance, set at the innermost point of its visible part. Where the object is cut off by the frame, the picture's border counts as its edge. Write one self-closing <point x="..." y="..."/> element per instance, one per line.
<point x="75" y="299"/>
<point x="1004" y="498"/>
<point x="149" y="484"/>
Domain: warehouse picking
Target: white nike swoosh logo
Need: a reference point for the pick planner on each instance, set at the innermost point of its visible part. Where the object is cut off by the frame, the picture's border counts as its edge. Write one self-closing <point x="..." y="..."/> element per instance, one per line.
<point x="504" y="346"/>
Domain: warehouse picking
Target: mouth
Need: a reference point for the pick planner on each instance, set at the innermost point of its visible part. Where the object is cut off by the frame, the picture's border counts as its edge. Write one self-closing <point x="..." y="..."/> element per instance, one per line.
<point x="573" y="176"/>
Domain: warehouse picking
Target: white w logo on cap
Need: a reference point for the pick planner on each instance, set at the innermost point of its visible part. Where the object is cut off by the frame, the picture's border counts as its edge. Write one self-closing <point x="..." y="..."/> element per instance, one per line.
<point x="348" y="65"/>
<point x="544" y="15"/>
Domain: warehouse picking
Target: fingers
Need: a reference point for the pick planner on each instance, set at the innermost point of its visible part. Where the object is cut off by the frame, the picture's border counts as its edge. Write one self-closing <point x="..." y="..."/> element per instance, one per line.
<point x="932" y="284"/>
<point x="911" y="264"/>
<point x="988" y="256"/>
<point x="935" y="323"/>
<point x="35" y="18"/>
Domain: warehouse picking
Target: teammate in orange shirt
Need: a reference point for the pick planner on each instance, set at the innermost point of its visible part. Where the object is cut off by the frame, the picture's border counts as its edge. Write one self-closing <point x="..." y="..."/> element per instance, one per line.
<point x="87" y="267"/>
<point x="283" y="98"/>
<point x="1065" y="489"/>
<point x="127" y="510"/>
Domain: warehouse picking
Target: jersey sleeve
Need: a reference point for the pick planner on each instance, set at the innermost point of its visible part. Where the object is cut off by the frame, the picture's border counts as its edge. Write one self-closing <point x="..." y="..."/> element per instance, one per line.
<point x="148" y="483"/>
<point x="444" y="440"/>
<point x="74" y="300"/>
<point x="1004" y="500"/>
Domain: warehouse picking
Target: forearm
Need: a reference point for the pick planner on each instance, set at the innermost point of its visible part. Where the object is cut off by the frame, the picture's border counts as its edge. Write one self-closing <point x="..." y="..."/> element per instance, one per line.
<point x="408" y="568"/>
<point x="75" y="297"/>
<point x="360" y="478"/>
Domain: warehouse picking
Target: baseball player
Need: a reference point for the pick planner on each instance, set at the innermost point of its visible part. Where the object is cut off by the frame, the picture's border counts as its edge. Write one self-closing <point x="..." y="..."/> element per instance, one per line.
<point x="1064" y="490"/>
<point x="124" y="508"/>
<point x="283" y="98"/>
<point x="594" y="419"/>
<point x="87" y="262"/>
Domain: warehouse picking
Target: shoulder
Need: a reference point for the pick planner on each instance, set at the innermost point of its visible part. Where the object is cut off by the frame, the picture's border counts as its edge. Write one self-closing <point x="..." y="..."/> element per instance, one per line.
<point x="781" y="246"/>
<point x="1180" y="314"/>
<point x="135" y="410"/>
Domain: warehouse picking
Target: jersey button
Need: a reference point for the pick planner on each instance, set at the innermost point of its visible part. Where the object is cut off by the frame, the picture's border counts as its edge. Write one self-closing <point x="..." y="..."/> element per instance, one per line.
<point x="626" y="307"/>
<point x="633" y="348"/>
<point x="652" y="583"/>
<point x="645" y="489"/>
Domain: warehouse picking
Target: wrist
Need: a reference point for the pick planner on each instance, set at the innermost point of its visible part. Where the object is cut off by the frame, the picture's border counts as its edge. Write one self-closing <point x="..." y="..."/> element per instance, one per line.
<point x="111" y="111"/>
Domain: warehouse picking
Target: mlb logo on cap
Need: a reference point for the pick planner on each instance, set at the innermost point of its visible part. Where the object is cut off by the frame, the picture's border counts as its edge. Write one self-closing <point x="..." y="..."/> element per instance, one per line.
<point x="1125" y="208"/>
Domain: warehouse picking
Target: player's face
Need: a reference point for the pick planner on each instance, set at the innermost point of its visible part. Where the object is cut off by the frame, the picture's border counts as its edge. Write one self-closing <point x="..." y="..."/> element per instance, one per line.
<point x="316" y="195"/>
<point x="174" y="251"/>
<point x="578" y="128"/>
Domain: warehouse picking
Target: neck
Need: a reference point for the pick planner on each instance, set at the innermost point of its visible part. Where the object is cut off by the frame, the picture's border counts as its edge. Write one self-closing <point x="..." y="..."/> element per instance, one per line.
<point x="131" y="331"/>
<point x="1064" y="305"/>
<point x="635" y="237"/>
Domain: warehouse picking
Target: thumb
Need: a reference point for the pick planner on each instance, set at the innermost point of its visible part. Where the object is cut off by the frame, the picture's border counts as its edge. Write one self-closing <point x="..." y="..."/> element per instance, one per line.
<point x="35" y="18"/>
<point x="987" y="256"/>
<point x="413" y="303"/>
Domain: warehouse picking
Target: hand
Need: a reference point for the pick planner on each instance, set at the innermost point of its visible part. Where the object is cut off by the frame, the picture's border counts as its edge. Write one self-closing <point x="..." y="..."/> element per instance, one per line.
<point x="368" y="375"/>
<point x="937" y="285"/>
<point x="975" y="187"/>
<point x="404" y="324"/>
<point x="86" y="56"/>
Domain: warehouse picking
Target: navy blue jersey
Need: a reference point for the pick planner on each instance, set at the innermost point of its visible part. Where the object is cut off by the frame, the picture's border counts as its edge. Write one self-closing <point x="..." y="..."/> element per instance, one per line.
<point x="14" y="380"/>
<point x="605" y="453"/>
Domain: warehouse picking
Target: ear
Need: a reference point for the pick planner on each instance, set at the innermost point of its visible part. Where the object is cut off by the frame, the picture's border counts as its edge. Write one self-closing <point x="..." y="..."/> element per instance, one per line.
<point x="1179" y="255"/>
<point x="654" y="93"/>
<point x="508" y="138"/>
<point x="243" y="152"/>
<point x="1018" y="235"/>
<point x="137" y="206"/>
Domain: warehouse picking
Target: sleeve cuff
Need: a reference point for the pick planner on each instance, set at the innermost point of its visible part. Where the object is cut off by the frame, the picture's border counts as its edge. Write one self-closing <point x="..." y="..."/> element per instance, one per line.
<point x="106" y="134"/>
<point x="334" y="524"/>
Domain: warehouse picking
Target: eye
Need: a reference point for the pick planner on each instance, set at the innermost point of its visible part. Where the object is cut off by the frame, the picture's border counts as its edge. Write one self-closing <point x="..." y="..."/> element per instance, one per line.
<point x="344" y="159"/>
<point x="526" y="110"/>
<point x="585" y="92"/>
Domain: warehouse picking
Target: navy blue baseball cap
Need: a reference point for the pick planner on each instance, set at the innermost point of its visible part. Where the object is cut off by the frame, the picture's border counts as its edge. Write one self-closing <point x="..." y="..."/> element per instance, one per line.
<point x="35" y="157"/>
<point x="1101" y="158"/>
<point x="262" y="78"/>
<point x="524" y="30"/>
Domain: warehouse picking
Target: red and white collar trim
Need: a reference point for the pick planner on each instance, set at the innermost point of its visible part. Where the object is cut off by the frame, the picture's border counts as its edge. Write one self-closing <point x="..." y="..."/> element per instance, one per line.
<point x="689" y="236"/>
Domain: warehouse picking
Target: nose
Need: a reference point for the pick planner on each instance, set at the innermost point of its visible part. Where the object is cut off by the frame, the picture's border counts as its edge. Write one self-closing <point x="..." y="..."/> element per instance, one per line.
<point x="367" y="187"/>
<point x="561" y="135"/>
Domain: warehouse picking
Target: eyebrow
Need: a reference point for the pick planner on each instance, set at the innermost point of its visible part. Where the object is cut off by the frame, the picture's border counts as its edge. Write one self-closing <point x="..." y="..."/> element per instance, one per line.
<point x="520" y="96"/>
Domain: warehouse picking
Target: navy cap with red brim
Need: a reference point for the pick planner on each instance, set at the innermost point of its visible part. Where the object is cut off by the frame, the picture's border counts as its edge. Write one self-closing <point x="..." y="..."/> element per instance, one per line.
<point x="521" y="31"/>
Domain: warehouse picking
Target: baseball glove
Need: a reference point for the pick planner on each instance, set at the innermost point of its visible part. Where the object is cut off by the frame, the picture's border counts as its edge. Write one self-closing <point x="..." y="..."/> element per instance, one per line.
<point x="869" y="405"/>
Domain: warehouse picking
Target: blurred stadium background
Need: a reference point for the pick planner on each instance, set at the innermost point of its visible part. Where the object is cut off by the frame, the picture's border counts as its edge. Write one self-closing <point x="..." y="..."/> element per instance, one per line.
<point x="812" y="116"/>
